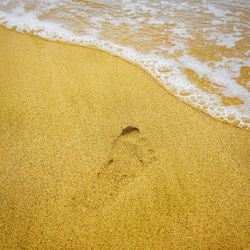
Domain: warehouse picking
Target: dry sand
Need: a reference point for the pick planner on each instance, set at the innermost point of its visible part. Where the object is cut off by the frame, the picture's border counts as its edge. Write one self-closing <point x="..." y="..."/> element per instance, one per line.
<point x="70" y="180"/>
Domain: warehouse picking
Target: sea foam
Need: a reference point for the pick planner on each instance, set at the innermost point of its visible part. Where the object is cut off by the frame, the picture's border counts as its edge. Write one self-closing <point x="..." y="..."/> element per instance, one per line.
<point x="197" y="49"/>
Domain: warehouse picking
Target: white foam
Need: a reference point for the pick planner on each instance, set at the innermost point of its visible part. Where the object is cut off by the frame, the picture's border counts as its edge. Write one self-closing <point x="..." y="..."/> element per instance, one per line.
<point x="227" y="40"/>
<point x="217" y="11"/>
<point x="150" y="29"/>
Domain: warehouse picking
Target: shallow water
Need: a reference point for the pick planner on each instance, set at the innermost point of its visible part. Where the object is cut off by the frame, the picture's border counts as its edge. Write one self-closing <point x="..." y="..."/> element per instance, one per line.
<point x="199" y="50"/>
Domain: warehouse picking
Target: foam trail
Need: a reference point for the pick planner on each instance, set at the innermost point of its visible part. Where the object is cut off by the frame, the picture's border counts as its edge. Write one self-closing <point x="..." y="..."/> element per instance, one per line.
<point x="197" y="49"/>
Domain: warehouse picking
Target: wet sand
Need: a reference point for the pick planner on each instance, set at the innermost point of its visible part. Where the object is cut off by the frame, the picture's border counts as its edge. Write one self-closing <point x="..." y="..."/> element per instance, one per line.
<point x="94" y="153"/>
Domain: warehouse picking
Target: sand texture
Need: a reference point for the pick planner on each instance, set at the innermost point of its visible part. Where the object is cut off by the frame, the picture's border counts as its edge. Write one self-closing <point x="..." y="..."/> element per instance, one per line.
<point x="94" y="153"/>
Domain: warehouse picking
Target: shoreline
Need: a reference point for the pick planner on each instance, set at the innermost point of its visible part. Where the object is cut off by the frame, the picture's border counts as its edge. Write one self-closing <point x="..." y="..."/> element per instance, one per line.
<point x="73" y="173"/>
<point x="235" y="123"/>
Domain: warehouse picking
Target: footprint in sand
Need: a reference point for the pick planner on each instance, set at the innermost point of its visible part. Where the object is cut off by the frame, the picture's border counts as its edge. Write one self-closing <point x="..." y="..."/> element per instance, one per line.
<point x="131" y="153"/>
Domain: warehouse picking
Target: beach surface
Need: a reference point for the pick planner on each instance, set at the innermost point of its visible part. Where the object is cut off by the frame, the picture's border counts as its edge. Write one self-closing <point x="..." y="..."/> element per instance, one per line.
<point x="94" y="153"/>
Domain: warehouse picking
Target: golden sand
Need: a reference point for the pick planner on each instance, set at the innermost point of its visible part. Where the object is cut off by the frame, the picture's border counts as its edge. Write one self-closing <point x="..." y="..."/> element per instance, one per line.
<point x="74" y="175"/>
